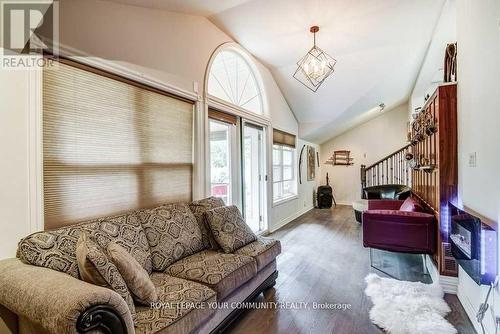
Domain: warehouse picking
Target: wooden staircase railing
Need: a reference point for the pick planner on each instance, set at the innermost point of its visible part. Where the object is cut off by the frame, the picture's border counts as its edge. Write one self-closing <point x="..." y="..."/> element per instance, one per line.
<point x="392" y="169"/>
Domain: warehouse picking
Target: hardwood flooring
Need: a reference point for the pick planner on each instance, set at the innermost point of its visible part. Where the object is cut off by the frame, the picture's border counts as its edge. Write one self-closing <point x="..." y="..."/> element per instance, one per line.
<point x="324" y="261"/>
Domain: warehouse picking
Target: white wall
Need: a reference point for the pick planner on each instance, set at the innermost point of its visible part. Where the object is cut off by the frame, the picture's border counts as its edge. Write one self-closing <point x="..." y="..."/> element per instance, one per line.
<point x="368" y="143"/>
<point x="14" y="188"/>
<point x="169" y="48"/>
<point x="283" y="213"/>
<point x="432" y="71"/>
<point x="475" y="27"/>
<point x="478" y="38"/>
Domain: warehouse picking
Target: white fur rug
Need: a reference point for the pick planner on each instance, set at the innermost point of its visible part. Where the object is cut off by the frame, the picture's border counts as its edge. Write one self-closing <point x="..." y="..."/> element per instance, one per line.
<point x="402" y="307"/>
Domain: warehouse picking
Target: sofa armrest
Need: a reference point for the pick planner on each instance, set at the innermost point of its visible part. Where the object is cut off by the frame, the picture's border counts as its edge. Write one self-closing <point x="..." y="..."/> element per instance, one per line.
<point x="60" y="303"/>
<point x="399" y="231"/>
<point x="384" y="204"/>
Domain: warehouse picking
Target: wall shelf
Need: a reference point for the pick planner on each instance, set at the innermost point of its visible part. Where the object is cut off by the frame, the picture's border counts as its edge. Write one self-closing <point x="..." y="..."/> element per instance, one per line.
<point x="435" y="181"/>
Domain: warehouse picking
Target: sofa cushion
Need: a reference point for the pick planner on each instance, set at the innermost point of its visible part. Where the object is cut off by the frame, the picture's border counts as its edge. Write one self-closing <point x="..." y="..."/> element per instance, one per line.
<point x="199" y="208"/>
<point x="88" y="270"/>
<point x="172" y="233"/>
<point x="181" y="303"/>
<point x="221" y="272"/>
<point x="263" y="250"/>
<point x="125" y="230"/>
<point x="96" y="268"/>
<point x="229" y="228"/>
<point x="56" y="249"/>
<point x="136" y="277"/>
<point x="411" y="205"/>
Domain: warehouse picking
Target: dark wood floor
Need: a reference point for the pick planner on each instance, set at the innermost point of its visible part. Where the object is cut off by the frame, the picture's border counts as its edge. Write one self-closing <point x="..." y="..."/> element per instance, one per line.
<point x="323" y="261"/>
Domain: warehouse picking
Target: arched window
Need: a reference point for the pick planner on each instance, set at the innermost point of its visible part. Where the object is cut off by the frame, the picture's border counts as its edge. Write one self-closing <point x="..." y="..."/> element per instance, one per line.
<point x="232" y="79"/>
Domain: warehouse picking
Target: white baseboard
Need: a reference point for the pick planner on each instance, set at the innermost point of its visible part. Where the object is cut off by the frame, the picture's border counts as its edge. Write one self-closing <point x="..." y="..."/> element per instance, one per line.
<point x="288" y="219"/>
<point x="448" y="283"/>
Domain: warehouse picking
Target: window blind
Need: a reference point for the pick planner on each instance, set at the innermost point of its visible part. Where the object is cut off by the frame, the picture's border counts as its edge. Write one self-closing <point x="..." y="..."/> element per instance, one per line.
<point x="283" y="138"/>
<point x="110" y="146"/>
<point x="222" y="116"/>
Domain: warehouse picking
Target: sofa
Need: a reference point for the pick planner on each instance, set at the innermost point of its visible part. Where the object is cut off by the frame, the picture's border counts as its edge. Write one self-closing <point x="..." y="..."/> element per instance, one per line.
<point x="42" y="291"/>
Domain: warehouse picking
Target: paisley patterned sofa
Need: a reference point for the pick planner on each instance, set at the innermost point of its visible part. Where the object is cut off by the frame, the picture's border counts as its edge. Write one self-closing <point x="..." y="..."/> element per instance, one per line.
<point x="43" y="292"/>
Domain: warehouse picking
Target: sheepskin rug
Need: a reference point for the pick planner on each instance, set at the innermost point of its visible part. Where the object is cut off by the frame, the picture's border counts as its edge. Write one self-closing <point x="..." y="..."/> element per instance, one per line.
<point x="401" y="307"/>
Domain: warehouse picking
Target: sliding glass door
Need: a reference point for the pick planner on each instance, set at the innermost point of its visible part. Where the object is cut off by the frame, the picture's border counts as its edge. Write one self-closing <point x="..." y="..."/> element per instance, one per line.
<point x="254" y="175"/>
<point x="221" y="141"/>
<point x="237" y="166"/>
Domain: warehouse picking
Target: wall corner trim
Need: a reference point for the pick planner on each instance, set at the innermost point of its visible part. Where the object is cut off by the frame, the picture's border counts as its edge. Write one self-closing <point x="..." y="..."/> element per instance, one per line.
<point x="35" y="150"/>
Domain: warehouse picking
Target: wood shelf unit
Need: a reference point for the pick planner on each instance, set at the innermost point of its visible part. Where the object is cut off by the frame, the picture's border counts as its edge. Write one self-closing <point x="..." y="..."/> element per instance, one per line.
<point x="434" y="143"/>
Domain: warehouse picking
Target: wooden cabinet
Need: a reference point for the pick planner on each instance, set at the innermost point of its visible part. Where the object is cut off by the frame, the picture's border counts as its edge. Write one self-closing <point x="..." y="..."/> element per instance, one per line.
<point x="435" y="174"/>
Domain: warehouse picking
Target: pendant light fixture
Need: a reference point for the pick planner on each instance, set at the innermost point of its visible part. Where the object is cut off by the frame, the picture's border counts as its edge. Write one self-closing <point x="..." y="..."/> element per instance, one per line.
<point x="315" y="66"/>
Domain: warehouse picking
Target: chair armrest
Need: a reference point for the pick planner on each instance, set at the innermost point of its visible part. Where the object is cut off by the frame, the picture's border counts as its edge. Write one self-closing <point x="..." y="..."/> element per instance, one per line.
<point x="399" y="231"/>
<point x="384" y="204"/>
<point x="60" y="303"/>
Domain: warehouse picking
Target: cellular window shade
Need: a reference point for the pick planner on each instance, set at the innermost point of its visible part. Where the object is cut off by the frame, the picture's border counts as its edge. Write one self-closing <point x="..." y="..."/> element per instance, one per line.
<point x="222" y="116"/>
<point x="283" y="138"/>
<point x="111" y="147"/>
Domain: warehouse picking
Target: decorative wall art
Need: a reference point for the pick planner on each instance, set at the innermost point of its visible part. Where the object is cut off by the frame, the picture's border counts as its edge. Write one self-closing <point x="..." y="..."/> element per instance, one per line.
<point x="300" y="163"/>
<point x="311" y="162"/>
<point x="341" y="158"/>
<point x="450" y="63"/>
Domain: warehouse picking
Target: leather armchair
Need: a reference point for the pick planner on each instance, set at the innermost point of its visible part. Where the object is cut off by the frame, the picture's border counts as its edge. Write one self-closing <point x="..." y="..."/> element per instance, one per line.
<point x="387" y="228"/>
<point x="387" y="191"/>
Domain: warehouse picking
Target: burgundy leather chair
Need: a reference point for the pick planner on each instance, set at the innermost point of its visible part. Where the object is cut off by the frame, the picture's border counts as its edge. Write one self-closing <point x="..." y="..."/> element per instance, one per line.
<point x="386" y="227"/>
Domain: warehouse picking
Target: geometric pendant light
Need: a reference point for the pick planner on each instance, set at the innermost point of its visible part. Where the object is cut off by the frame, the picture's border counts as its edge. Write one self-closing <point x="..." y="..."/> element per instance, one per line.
<point x="315" y="66"/>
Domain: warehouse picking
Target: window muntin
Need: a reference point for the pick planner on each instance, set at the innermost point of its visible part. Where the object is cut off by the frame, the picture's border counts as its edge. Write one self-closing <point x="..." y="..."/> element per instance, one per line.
<point x="231" y="79"/>
<point x="284" y="176"/>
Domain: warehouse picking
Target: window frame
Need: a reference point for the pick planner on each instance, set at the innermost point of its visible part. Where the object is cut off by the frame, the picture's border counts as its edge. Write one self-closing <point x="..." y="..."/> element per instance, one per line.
<point x="224" y="105"/>
<point x="230" y="134"/>
<point x="250" y="79"/>
<point x="282" y="148"/>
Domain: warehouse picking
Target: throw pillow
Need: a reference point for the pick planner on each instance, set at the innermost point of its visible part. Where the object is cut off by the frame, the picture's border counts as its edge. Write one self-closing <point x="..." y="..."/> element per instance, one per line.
<point x="229" y="229"/>
<point x="199" y="208"/>
<point x="411" y="205"/>
<point x="137" y="278"/>
<point x="96" y="268"/>
<point x="172" y="233"/>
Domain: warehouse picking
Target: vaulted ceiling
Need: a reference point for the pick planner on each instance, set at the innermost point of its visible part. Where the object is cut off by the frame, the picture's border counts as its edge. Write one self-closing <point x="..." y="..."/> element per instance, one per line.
<point x="379" y="46"/>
